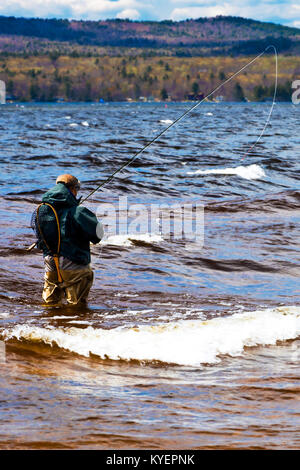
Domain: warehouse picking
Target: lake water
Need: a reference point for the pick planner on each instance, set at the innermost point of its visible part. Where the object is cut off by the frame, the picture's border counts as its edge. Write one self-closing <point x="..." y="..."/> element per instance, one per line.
<point x="187" y="342"/>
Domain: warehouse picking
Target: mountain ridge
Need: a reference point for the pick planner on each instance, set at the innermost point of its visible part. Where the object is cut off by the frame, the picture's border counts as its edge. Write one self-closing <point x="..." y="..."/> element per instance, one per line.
<point x="211" y="36"/>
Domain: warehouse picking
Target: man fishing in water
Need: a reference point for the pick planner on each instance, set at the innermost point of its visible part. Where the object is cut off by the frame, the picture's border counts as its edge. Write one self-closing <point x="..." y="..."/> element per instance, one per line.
<point x="64" y="230"/>
<point x="69" y="227"/>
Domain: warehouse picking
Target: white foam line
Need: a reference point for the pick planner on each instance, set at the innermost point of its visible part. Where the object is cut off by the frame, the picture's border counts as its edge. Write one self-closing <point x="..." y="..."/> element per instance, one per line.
<point x="166" y="121"/>
<point x="184" y="342"/>
<point x="4" y="314"/>
<point x="251" y="172"/>
<point x="63" y="317"/>
<point x="127" y="240"/>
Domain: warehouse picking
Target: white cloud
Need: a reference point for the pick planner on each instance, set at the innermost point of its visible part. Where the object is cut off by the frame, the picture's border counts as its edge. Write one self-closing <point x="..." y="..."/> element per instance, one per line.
<point x="196" y="12"/>
<point x="284" y="11"/>
<point x="76" y="9"/>
<point x="129" y="13"/>
<point x="263" y="11"/>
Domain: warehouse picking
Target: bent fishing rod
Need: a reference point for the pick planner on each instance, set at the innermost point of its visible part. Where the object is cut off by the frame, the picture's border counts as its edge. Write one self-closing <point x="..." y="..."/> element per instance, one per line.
<point x="126" y="164"/>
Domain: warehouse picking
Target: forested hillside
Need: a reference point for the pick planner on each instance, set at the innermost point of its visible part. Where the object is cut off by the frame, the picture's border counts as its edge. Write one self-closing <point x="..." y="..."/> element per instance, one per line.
<point x="50" y="60"/>
<point x="204" y="36"/>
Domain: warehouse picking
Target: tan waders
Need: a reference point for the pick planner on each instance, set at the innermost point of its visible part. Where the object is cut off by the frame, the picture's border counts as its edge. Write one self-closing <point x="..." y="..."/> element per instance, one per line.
<point x="75" y="287"/>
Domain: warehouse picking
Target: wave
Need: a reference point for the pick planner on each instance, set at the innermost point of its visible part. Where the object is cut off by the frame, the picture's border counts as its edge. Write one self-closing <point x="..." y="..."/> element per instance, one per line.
<point x="233" y="265"/>
<point x="184" y="342"/>
<point x="132" y="239"/>
<point x="286" y="200"/>
<point x="166" y="121"/>
<point x="251" y="172"/>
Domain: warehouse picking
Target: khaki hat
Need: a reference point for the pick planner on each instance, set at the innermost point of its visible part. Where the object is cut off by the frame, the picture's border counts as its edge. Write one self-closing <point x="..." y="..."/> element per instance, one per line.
<point x="69" y="180"/>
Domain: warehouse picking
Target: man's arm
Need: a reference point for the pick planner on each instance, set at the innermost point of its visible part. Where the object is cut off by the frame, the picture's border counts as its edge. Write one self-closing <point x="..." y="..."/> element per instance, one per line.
<point x="88" y="222"/>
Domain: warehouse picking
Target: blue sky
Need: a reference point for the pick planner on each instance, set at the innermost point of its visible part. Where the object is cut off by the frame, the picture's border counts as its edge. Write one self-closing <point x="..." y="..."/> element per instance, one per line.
<point x="279" y="11"/>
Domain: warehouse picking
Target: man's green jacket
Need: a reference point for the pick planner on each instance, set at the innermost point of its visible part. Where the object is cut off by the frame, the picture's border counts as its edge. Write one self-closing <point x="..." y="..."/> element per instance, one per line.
<point x="78" y="225"/>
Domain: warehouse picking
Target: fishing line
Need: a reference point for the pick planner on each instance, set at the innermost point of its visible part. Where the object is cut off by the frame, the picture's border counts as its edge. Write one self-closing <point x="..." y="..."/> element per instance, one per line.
<point x="118" y="170"/>
<point x="273" y="103"/>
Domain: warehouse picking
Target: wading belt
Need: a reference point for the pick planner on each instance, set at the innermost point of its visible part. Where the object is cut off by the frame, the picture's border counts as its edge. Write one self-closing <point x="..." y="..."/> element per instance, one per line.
<point x="54" y="254"/>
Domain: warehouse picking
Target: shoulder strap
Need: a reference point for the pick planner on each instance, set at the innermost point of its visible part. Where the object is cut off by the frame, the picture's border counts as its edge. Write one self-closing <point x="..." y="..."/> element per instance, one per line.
<point x="55" y="255"/>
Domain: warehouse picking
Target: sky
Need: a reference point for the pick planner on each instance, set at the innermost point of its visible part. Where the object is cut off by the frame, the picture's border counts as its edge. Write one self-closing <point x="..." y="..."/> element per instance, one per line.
<point x="286" y="12"/>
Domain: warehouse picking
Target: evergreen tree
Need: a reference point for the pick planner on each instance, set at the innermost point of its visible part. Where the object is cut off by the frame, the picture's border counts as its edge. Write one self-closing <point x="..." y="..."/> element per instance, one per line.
<point x="164" y="94"/>
<point x="34" y="91"/>
<point x="238" y="93"/>
<point x="195" y="88"/>
<point x="259" y="92"/>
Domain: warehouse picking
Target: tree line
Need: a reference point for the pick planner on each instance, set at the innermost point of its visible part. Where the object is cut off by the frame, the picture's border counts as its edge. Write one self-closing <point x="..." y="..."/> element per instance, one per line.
<point x="49" y="78"/>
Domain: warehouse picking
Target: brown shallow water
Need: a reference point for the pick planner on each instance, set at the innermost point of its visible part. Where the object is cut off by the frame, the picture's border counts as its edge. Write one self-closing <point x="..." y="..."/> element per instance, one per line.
<point x="178" y="348"/>
<point x="57" y="401"/>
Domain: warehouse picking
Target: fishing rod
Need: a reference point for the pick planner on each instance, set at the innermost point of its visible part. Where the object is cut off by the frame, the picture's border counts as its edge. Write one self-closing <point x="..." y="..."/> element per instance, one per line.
<point x="126" y="164"/>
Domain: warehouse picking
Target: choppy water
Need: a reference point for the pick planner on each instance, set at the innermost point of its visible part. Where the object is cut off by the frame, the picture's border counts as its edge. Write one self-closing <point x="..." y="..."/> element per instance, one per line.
<point x="181" y="346"/>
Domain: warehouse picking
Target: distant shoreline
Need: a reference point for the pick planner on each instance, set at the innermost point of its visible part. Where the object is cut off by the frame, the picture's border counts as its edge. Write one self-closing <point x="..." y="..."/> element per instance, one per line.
<point x="89" y="79"/>
<point x="78" y="103"/>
